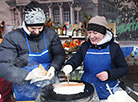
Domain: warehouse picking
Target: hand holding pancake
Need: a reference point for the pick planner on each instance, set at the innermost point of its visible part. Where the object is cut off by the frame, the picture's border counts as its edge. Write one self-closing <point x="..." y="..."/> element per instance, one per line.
<point x="35" y="73"/>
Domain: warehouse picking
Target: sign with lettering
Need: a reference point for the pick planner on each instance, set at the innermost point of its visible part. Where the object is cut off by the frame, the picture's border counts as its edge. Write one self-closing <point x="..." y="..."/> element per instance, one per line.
<point x="126" y="27"/>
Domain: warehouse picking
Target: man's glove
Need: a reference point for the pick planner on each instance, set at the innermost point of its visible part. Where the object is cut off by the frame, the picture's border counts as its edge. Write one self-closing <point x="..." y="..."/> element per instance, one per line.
<point x="35" y="73"/>
<point x="67" y="69"/>
<point x="50" y="73"/>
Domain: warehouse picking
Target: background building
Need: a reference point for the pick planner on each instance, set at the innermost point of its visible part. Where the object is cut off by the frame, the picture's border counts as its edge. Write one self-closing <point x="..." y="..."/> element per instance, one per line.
<point x="122" y="12"/>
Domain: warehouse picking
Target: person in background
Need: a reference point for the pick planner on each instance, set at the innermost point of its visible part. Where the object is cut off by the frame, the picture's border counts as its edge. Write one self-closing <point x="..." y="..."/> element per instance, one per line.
<point x="103" y="59"/>
<point x="22" y="50"/>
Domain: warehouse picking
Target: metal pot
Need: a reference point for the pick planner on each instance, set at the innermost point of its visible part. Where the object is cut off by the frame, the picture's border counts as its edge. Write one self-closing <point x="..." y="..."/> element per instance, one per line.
<point x="48" y="95"/>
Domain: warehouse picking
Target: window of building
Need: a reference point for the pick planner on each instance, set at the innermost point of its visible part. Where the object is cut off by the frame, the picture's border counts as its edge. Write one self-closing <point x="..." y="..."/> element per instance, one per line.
<point x="56" y="16"/>
<point x="47" y="16"/>
<point x="66" y="16"/>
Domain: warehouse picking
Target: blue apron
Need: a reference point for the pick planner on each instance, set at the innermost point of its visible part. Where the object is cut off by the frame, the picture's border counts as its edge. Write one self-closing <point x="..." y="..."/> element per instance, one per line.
<point x="96" y="61"/>
<point x="27" y="91"/>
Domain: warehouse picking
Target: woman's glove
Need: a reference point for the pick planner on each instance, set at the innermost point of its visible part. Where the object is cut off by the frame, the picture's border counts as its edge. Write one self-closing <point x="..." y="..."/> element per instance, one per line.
<point x="35" y="73"/>
<point x="50" y="73"/>
<point x="67" y="69"/>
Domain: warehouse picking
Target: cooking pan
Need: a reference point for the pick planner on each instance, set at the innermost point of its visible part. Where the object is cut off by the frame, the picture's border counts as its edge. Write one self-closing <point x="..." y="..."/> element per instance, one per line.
<point x="48" y="95"/>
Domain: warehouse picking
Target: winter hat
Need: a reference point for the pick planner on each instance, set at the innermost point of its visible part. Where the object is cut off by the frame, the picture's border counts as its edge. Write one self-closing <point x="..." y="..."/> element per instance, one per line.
<point x="98" y="23"/>
<point x="34" y="14"/>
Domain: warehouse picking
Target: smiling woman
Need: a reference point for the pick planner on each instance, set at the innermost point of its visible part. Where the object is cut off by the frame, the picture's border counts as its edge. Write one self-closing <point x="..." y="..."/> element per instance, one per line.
<point x="102" y="58"/>
<point x="95" y="37"/>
